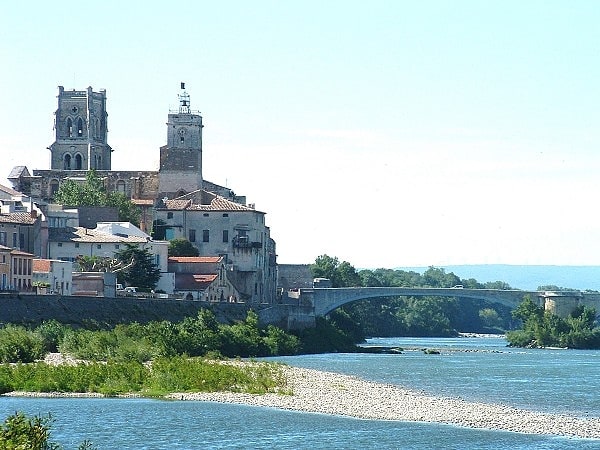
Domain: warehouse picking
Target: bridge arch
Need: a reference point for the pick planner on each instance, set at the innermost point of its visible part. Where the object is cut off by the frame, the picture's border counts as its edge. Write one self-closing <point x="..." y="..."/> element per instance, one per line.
<point x="325" y="300"/>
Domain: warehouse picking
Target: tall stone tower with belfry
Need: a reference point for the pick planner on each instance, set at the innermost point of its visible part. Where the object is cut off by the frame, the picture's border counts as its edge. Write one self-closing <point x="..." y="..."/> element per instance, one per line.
<point x="180" y="168"/>
<point x="81" y="129"/>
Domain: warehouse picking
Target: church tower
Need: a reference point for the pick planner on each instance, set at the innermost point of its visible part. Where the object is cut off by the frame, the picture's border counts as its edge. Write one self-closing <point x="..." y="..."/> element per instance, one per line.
<point x="180" y="169"/>
<point x="81" y="131"/>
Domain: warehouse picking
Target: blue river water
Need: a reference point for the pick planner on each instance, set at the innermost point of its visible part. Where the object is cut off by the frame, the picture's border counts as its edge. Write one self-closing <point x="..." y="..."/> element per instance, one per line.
<point x="481" y="369"/>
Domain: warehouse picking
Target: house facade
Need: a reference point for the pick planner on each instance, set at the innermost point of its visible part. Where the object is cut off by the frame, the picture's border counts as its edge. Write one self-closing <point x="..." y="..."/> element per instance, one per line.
<point x="56" y="274"/>
<point x="104" y="241"/>
<point x="218" y="226"/>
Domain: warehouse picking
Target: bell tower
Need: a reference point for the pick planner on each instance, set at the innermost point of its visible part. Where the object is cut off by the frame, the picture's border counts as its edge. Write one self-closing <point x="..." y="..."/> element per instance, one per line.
<point x="81" y="131"/>
<point x="181" y="159"/>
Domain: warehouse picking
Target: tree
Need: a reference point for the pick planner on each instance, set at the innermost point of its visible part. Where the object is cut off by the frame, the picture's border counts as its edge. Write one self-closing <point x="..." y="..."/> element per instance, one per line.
<point x="139" y="268"/>
<point x="182" y="247"/>
<point x="341" y="274"/>
<point x="93" y="193"/>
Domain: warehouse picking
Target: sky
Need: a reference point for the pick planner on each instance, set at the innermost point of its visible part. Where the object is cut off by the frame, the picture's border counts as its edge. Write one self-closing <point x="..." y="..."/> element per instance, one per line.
<point x="384" y="133"/>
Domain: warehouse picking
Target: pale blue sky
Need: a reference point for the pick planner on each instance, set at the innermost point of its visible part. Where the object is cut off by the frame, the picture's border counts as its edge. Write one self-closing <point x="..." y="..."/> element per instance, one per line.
<point x="387" y="133"/>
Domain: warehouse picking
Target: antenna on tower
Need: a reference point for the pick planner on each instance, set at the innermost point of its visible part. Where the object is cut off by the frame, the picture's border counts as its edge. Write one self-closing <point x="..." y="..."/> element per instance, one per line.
<point x="184" y="100"/>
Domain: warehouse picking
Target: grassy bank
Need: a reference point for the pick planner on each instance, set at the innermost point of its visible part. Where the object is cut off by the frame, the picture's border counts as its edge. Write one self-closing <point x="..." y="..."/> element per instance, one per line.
<point x="162" y="376"/>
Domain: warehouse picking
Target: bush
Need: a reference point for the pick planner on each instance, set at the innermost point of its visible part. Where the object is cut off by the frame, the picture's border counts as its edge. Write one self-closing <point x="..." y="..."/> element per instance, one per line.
<point x="20" y="345"/>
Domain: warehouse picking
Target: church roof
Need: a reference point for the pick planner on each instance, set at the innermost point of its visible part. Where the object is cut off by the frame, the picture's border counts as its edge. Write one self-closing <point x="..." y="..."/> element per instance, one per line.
<point x="18" y="171"/>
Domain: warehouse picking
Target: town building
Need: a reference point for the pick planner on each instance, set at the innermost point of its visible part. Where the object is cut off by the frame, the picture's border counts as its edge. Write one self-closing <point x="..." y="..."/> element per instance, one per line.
<point x="57" y="275"/>
<point x="104" y="241"/>
<point x="203" y="278"/>
<point x="175" y="200"/>
<point x="21" y="266"/>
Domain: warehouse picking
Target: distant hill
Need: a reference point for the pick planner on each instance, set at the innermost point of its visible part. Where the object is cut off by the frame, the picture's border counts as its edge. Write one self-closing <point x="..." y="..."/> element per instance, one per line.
<point x="527" y="277"/>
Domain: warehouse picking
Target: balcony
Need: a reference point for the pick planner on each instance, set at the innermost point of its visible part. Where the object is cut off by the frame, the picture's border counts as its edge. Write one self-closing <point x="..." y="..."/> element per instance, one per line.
<point x="244" y="242"/>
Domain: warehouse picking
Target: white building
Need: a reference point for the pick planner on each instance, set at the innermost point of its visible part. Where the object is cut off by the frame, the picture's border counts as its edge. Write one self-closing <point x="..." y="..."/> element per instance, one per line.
<point x="104" y="241"/>
<point x="58" y="275"/>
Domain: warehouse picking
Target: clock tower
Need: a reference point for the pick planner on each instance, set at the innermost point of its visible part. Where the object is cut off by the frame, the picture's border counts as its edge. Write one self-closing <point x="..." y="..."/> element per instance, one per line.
<point x="80" y="126"/>
<point x="181" y="159"/>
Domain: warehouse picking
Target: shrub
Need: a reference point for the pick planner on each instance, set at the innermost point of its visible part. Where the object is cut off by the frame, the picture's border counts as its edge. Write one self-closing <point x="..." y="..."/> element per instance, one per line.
<point x="20" y="345"/>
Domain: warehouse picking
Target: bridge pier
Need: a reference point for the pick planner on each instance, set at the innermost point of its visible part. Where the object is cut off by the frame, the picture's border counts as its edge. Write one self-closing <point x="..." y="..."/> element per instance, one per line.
<point x="562" y="303"/>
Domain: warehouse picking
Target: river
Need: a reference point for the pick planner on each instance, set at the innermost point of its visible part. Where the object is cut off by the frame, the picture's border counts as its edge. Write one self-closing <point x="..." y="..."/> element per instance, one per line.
<point x="480" y="369"/>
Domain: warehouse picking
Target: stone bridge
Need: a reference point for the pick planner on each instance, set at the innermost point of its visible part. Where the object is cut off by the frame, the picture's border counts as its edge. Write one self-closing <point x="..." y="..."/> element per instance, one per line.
<point x="325" y="300"/>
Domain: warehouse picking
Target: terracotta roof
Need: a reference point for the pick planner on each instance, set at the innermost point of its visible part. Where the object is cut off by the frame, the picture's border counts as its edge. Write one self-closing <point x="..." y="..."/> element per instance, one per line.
<point x="9" y="191"/>
<point x="80" y="234"/>
<point x="23" y="218"/>
<point x="195" y="259"/>
<point x="205" y="201"/>
<point x="41" y="265"/>
<point x="193" y="282"/>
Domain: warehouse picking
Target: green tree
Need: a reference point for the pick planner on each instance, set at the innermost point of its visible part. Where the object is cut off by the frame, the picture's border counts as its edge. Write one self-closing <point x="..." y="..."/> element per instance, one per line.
<point x="139" y="269"/>
<point x="182" y="247"/>
<point x="341" y="274"/>
<point x="93" y="193"/>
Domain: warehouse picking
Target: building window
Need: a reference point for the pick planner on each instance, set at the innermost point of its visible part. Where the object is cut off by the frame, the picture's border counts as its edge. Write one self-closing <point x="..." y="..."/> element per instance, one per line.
<point x="205" y="214"/>
<point x="205" y="235"/>
<point x="98" y="246"/>
<point x="69" y="127"/>
<point x="169" y="215"/>
<point x="76" y="244"/>
<point x="14" y="240"/>
<point x="79" y="127"/>
<point x="225" y="235"/>
<point x="117" y="246"/>
<point x="3" y="238"/>
<point x="78" y="162"/>
<point x="192" y="235"/>
<point x="53" y="187"/>
<point x="225" y="215"/>
<point x="59" y="244"/>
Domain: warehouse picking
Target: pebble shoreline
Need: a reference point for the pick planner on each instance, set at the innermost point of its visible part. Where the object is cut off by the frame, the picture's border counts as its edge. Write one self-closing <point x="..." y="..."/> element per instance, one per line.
<point x="331" y="393"/>
<point x="314" y="391"/>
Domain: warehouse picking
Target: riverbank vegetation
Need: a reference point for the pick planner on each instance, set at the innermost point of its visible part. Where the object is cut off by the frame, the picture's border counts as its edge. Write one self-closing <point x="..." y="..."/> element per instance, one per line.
<point x="156" y="379"/>
<point x="544" y="329"/>
<point x="194" y="336"/>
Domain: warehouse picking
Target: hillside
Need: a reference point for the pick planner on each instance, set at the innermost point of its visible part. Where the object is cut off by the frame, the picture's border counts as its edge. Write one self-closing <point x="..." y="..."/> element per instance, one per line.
<point x="527" y="277"/>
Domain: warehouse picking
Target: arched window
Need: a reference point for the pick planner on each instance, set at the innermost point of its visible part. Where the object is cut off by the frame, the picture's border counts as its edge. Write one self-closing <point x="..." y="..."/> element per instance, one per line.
<point x="97" y="129"/>
<point x="79" y="127"/>
<point x="121" y="186"/>
<point x="100" y="162"/>
<point x="78" y="162"/>
<point x="67" y="162"/>
<point x="69" y="127"/>
<point x="53" y="187"/>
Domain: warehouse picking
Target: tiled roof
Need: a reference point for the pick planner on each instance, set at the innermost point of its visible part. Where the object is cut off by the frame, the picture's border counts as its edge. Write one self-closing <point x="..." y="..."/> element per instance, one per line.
<point x="209" y="202"/>
<point x="9" y="191"/>
<point x="80" y="234"/>
<point x="41" y="265"/>
<point x="193" y="282"/>
<point x="23" y="218"/>
<point x="17" y="171"/>
<point x="21" y="253"/>
<point x="195" y="259"/>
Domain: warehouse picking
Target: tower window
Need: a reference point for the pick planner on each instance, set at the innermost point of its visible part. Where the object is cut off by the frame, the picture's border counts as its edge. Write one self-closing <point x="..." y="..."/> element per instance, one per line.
<point x="67" y="162"/>
<point x="182" y="139"/>
<point x="79" y="127"/>
<point x="69" y="127"/>
<point x="78" y="162"/>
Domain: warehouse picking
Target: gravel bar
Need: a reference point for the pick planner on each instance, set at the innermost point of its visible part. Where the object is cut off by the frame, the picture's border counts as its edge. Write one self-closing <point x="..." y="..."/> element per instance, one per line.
<point x="331" y="393"/>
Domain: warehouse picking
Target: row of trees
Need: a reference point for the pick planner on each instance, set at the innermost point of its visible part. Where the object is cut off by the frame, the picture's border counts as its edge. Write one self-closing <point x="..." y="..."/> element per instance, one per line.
<point x="402" y="316"/>
<point x="194" y="336"/>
